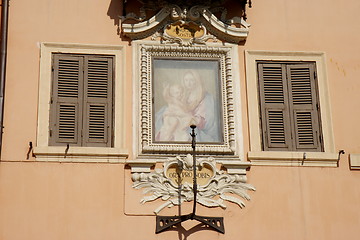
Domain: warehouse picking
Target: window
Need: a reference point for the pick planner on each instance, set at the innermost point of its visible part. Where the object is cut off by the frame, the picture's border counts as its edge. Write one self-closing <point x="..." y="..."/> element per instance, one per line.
<point x="289" y="109"/>
<point x="289" y="106"/>
<point x="81" y="101"/>
<point x="81" y="104"/>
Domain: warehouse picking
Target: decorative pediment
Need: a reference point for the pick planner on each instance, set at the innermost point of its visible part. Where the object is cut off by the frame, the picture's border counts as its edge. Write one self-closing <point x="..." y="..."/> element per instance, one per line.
<point x="186" y="24"/>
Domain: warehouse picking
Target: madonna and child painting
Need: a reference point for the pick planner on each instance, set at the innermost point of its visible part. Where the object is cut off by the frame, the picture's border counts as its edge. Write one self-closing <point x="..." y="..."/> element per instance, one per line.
<point x="186" y="92"/>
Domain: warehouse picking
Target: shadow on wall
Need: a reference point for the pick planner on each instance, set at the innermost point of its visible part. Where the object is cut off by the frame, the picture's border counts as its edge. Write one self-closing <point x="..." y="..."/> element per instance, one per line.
<point x="115" y="11"/>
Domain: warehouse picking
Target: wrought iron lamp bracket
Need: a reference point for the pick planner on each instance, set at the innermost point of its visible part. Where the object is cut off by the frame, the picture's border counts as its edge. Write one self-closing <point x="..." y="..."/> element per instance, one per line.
<point x="166" y="222"/>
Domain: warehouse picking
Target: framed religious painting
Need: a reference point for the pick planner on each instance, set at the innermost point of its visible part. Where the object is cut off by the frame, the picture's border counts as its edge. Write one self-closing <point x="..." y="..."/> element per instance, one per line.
<point x="186" y="92"/>
<point x="183" y="86"/>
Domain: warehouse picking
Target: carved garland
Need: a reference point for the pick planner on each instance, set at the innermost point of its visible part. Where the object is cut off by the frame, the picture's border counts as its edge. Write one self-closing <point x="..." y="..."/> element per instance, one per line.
<point x="219" y="188"/>
<point x="222" y="54"/>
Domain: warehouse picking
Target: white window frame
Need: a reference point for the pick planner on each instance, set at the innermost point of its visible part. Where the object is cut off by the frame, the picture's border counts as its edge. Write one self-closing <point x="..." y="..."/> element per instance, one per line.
<point x="44" y="152"/>
<point x="256" y="155"/>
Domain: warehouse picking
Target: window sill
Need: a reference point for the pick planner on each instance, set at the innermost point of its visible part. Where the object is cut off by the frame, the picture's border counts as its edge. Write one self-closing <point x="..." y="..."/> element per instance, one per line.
<point x="315" y="159"/>
<point x="355" y="161"/>
<point x="80" y="154"/>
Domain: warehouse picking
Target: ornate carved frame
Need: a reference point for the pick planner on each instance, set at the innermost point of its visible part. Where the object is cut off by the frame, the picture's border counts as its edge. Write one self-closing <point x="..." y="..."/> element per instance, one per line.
<point x="145" y="115"/>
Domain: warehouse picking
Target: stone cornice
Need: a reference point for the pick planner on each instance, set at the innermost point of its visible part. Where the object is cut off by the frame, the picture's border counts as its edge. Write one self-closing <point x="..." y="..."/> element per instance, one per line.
<point x="233" y="30"/>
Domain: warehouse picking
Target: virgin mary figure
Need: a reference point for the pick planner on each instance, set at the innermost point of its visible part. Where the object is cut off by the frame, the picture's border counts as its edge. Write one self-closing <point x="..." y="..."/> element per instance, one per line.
<point x="188" y="103"/>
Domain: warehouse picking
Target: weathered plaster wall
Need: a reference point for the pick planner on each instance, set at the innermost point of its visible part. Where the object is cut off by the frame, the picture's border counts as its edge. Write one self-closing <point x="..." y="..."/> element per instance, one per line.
<point x="41" y="200"/>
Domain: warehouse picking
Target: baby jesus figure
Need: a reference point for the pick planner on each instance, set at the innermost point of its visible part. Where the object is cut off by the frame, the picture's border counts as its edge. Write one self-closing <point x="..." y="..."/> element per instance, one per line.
<point x="176" y="117"/>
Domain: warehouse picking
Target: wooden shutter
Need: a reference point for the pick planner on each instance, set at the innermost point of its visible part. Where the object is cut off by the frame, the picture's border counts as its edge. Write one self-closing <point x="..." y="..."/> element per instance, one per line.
<point x="289" y="107"/>
<point x="82" y="98"/>
<point x="66" y="101"/>
<point x="304" y="106"/>
<point x="98" y="100"/>
<point x="274" y="107"/>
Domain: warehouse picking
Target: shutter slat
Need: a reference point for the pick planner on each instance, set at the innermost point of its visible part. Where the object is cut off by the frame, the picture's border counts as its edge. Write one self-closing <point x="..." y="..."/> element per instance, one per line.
<point x="97" y="127"/>
<point x="305" y="129"/>
<point x="301" y="85"/>
<point x="67" y="123"/>
<point x="304" y="126"/>
<point x="98" y="76"/>
<point x="276" y="127"/>
<point x="68" y="77"/>
<point x="273" y="84"/>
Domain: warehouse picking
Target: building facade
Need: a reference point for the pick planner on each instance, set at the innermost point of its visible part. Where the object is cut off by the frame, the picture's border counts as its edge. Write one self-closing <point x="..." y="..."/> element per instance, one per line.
<point x="100" y="97"/>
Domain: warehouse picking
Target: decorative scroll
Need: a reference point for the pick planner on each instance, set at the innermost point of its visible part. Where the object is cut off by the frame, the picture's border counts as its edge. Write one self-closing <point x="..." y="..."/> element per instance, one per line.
<point x="213" y="192"/>
<point x="232" y="30"/>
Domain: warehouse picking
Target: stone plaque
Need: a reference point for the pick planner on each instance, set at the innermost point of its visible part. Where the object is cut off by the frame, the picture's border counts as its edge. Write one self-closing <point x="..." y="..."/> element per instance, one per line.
<point x="177" y="176"/>
<point x="185" y="31"/>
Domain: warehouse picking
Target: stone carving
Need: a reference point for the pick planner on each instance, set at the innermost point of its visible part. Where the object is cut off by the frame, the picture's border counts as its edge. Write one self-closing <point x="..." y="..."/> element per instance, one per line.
<point x="219" y="187"/>
<point x="185" y="34"/>
<point x="232" y="30"/>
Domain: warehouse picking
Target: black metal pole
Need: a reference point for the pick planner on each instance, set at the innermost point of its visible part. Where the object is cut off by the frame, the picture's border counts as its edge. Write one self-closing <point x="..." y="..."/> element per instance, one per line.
<point x="166" y="222"/>
<point x="193" y="143"/>
<point x="3" y="55"/>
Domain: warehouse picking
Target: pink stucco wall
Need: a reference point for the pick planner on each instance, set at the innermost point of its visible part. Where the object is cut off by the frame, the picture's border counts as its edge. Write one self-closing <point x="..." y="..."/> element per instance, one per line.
<point x="59" y="201"/>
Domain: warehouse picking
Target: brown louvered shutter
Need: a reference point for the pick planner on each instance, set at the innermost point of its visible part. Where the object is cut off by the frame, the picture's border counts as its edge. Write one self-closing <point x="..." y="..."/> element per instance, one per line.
<point x="304" y="106"/>
<point x="274" y="107"/>
<point x="98" y="100"/>
<point x="289" y="107"/>
<point x="66" y="101"/>
<point x="81" y="102"/>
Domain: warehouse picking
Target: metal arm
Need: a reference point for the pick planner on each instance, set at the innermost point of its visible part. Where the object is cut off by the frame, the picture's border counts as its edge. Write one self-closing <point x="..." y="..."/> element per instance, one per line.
<point x="166" y="222"/>
<point x="193" y="143"/>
